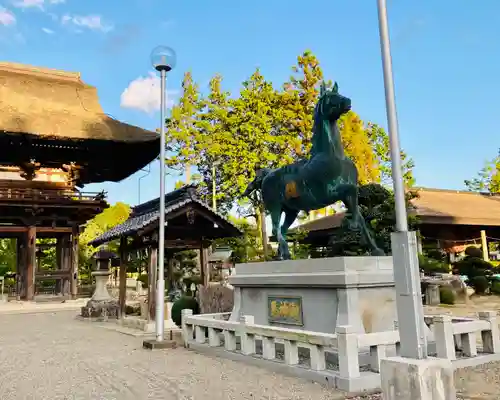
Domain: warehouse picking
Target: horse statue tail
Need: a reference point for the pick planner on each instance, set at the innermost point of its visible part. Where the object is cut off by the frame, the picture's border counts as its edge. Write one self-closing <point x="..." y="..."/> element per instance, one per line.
<point x="256" y="184"/>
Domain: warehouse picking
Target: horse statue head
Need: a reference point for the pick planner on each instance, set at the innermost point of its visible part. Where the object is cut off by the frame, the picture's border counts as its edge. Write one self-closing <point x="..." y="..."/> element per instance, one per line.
<point x="332" y="104"/>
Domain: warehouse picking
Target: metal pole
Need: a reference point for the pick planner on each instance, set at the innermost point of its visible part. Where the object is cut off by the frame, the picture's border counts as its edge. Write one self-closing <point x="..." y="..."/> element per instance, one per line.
<point x="411" y="324"/>
<point x="392" y="119"/>
<point x="160" y="290"/>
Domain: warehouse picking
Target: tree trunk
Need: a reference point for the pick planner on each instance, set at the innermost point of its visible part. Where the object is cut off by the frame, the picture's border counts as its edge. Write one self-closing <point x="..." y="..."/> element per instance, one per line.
<point x="188" y="174"/>
<point x="262" y="218"/>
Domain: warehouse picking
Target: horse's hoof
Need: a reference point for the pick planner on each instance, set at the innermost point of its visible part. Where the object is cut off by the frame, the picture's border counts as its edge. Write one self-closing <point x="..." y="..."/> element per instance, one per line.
<point x="378" y="253"/>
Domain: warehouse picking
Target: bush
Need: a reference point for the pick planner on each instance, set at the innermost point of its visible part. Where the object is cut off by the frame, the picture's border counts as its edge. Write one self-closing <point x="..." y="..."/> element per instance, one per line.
<point x="480" y="284"/>
<point x="430" y="266"/>
<point x="446" y="295"/>
<point x="473" y="251"/>
<point x="473" y="266"/>
<point x="181" y="304"/>
<point x="495" y="287"/>
<point x="144" y="280"/>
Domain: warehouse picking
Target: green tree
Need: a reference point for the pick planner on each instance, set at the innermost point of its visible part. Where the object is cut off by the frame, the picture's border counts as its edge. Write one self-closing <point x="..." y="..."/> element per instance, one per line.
<point x="488" y="179"/>
<point x="102" y="222"/>
<point x="182" y="130"/>
<point x="8" y="256"/>
<point x="254" y="141"/>
<point x="379" y="140"/>
<point x="246" y="248"/>
<point x="214" y="131"/>
<point x="358" y="148"/>
<point x="298" y="100"/>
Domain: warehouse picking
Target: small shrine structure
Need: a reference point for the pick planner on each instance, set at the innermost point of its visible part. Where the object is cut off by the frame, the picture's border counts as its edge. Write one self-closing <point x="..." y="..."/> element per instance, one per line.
<point x="190" y="224"/>
<point x="55" y="138"/>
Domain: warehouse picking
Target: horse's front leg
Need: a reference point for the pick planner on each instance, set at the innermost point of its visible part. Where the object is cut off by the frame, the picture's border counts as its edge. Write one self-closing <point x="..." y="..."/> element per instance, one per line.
<point x="276" y="219"/>
<point x="290" y="216"/>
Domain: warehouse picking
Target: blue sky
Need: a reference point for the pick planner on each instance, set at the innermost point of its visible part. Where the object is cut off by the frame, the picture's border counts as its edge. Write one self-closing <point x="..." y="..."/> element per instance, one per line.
<point x="445" y="53"/>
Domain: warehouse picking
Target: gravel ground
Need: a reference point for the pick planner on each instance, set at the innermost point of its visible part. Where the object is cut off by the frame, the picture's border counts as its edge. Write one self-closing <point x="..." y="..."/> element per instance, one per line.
<point x="52" y="356"/>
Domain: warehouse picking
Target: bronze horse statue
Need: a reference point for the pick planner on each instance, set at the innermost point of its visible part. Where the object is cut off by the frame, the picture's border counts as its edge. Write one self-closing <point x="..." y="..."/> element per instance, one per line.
<point x="326" y="177"/>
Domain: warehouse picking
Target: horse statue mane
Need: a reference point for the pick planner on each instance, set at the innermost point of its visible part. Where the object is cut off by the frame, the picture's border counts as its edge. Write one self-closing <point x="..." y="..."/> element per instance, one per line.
<point x="326" y="177"/>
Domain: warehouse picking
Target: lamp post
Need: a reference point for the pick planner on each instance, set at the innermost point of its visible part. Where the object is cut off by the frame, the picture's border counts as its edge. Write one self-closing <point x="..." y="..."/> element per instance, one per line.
<point x="163" y="60"/>
<point x="404" y="244"/>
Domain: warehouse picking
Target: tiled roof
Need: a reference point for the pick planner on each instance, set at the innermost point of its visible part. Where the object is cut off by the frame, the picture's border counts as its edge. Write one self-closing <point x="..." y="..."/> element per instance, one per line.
<point x="148" y="213"/>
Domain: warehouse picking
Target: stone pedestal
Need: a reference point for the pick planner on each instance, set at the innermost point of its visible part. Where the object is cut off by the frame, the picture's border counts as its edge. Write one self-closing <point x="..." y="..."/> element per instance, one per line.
<point x="324" y="293"/>
<point x="101" y="305"/>
<point x="410" y="379"/>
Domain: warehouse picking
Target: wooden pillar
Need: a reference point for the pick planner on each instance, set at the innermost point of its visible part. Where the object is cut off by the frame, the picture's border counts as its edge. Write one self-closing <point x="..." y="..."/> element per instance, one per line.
<point x="170" y="272"/>
<point x="204" y="267"/>
<point x="484" y="245"/>
<point x="66" y="260"/>
<point x="122" y="298"/>
<point x="74" y="262"/>
<point x="31" y="261"/>
<point x="59" y="264"/>
<point x="152" y="272"/>
<point x="21" y="268"/>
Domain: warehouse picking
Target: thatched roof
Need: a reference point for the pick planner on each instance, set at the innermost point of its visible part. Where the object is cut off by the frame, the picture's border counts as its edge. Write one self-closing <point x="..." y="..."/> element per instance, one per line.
<point x="57" y="104"/>
<point x="439" y="206"/>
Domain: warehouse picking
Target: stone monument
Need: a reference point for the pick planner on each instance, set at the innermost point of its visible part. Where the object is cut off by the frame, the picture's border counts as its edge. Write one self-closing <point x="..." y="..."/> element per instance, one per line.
<point x="102" y="306"/>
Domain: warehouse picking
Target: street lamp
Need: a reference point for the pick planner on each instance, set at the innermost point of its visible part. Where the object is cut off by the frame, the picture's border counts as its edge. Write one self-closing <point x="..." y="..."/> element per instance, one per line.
<point x="163" y="60"/>
<point x="404" y="244"/>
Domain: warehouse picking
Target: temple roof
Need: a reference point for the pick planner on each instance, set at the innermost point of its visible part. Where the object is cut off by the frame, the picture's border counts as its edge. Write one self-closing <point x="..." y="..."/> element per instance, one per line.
<point x="176" y="203"/>
<point x="53" y="103"/>
<point x="434" y="206"/>
<point x="54" y="117"/>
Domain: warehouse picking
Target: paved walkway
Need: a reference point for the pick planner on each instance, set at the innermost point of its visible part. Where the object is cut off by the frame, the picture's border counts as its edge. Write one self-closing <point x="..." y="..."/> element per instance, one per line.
<point x="52" y="356"/>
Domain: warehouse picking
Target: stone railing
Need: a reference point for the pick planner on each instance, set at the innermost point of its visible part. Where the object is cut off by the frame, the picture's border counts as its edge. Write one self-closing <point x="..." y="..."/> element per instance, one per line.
<point x="457" y="340"/>
<point x="346" y="360"/>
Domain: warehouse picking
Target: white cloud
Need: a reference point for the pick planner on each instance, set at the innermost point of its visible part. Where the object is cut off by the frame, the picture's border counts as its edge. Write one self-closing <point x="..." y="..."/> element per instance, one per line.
<point x="29" y="3"/>
<point x="6" y="17"/>
<point x="92" y="22"/>
<point x="35" y="3"/>
<point x="48" y="31"/>
<point x="143" y="94"/>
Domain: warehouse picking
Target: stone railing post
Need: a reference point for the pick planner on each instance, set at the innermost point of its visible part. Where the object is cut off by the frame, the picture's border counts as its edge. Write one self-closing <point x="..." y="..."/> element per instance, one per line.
<point x="348" y="352"/>
<point x="187" y="331"/>
<point x="247" y="340"/>
<point x="491" y="338"/>
<point x="443" y="334"/>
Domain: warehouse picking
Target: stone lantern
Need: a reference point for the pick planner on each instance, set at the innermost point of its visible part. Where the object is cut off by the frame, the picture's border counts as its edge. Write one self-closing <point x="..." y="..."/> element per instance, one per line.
<point x="102" y="306"/>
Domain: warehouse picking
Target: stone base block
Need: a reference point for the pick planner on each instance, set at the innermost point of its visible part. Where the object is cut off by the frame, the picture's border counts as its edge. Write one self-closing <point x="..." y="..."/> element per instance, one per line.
<point x="155" y="345"/>
<point x="410" y="379"/>
<point x="101" y="309"/>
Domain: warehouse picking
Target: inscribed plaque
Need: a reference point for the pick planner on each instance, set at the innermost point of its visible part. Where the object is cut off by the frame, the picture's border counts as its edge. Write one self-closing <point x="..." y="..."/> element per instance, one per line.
<point x="285" y="310"/>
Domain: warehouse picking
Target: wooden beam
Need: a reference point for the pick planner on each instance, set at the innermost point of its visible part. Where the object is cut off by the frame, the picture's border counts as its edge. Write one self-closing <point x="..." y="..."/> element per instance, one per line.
<point x="122" y="297"/>
<point x="40" y="229"/>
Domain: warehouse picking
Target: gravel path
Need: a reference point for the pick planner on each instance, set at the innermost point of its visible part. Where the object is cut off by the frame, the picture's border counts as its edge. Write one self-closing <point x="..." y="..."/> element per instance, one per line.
<point x="52" y="356"/>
